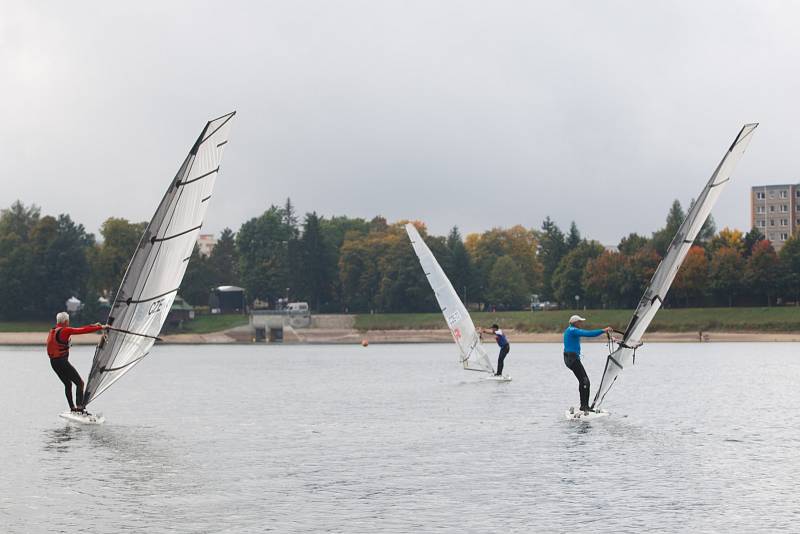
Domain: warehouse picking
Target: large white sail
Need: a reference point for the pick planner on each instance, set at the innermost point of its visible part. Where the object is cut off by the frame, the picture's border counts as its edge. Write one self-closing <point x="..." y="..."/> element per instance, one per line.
<point x="156" y="270"/>
<point x="472" y="354"/>
<point x="662" y="279"/>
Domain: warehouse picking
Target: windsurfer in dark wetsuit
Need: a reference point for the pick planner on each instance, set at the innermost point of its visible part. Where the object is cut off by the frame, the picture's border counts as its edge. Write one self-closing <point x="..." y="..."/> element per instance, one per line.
<point x="572" y="354"/>
<point x="502" y="342"/>
<point x="58" y="343"/>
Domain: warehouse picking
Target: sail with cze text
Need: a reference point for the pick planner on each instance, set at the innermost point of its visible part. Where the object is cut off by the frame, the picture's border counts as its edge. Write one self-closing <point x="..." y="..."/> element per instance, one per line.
<point x="156" y="270"/>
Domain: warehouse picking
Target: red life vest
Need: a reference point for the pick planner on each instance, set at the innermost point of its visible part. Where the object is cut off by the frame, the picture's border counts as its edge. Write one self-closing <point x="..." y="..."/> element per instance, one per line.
<point x="55" y="348"/>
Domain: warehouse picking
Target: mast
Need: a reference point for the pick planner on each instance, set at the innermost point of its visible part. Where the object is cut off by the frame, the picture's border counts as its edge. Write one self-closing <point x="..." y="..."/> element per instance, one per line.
<point x="662" y="279"/>
<point x="155" y="272"/>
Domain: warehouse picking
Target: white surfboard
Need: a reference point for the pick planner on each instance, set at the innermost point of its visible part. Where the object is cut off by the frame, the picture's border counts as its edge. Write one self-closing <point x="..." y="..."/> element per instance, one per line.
<point x="495" y="378"/>
<point x="83" y="418"/>
<point x="575" y="414"/>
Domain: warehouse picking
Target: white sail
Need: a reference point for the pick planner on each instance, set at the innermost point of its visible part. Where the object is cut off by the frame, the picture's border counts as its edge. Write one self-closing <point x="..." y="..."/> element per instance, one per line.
<point x="662" y="279"/>
<point x="156" y="270"/>
<point x="472" y="354"/>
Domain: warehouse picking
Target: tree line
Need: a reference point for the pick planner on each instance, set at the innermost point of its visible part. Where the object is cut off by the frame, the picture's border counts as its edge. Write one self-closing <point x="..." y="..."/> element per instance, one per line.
<point x="345" y="264"/>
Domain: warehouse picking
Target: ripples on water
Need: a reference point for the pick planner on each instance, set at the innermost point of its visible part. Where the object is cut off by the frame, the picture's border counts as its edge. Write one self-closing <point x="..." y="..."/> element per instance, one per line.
<point x="396" y="438"/>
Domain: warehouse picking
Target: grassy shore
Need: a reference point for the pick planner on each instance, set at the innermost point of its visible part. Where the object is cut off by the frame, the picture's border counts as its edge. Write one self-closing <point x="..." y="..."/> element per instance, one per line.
<point x="776" y="319"/>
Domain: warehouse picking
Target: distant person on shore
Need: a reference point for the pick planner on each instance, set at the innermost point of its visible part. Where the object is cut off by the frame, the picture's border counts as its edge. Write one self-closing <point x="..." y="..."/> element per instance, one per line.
<point x="572" y="354"/>
<point x="502" y="342"/>
<point x="58" y="343"/>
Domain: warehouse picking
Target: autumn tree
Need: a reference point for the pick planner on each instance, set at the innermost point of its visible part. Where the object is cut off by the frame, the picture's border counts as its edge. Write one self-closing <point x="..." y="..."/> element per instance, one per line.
<point x="692" y="278"/>
<point x="726" y="274"/>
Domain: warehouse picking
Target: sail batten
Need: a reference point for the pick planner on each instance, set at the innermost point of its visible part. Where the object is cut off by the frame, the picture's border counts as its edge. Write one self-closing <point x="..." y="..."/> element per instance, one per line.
<point x="154" y="274"/>
<point x="473" y="356"/>
<point x="665" y="273"/>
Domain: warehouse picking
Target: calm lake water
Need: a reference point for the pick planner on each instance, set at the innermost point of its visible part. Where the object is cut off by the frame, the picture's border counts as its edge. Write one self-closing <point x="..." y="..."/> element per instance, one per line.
<point x="397" y="438"/>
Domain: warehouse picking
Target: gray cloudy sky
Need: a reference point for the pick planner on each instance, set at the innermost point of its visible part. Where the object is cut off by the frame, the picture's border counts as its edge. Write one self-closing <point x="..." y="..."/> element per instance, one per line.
<point x="478" y="114"/>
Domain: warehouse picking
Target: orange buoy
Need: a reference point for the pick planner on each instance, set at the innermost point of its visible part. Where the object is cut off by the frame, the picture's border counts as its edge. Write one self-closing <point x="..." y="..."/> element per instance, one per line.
<point x="364" y="343"/>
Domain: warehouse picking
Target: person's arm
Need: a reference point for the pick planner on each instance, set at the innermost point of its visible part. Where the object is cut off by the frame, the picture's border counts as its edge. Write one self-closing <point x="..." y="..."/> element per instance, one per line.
<point x="590" y="333"/>
<point x="68" y="331"/>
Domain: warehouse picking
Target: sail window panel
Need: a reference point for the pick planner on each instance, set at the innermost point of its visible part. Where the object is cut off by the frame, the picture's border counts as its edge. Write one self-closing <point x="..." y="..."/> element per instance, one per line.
<point x="168" y="266"/>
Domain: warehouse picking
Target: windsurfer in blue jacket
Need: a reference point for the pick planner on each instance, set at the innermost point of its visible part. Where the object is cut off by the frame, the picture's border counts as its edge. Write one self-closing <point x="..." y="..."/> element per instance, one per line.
<point x="502" y="342"/>
<point x="572" y="354"/>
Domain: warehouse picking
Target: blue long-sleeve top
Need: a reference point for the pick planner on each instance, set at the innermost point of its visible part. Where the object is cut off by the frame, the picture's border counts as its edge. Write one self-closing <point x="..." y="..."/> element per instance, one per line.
<point x="572" y="338"/>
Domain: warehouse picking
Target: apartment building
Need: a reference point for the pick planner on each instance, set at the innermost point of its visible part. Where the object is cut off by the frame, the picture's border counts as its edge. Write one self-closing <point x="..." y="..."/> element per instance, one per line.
<point x="775" y="210"/>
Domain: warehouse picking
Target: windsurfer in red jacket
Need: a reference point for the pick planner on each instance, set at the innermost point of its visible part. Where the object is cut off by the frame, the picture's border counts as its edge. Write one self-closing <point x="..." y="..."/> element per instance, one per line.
<point x="58" y="349"/>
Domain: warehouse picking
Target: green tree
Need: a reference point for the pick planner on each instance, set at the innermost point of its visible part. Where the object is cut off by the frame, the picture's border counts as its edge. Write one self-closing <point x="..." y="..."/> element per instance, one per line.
<point x="224" y="260"/>
<point x="60" y="266"/>
<point x="111" y="259"/>
<point x="263" y="247"/>
<point x="573" y="237"/>
<point x="552" y="248"/>
<point x="507" y="286"/>
<point x="750" y="239"/>
<point x="460" y="270"/>
<point x="762" y="271"/>
<point x="317" y="258"/>
<point x="19" y="220"/>
<point x="632" y="243"/>
<point x="707" y="231"/>
<point x="198" y="280"/>
<point x="790" y="259"/>
<point x="662" y="238"/>
<point x="334" y="230"/>
<point x="16" y="259"/>
<point x="568" y="277"/>
<point x="516" y="242"/>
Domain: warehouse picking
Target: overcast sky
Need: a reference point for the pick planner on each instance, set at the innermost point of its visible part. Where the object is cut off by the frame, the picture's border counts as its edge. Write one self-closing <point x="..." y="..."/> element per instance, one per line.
<point x="477" y="114"/>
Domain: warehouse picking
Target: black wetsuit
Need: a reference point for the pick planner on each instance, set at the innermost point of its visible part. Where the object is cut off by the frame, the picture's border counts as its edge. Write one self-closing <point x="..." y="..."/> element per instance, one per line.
<point x="504" y="350"/>
<point x="572" y="361"/>
<point x="68" y="376"/>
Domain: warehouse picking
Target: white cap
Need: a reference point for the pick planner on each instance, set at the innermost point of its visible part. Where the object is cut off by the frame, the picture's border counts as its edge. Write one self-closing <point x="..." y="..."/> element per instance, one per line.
<point x="575" y="318"/>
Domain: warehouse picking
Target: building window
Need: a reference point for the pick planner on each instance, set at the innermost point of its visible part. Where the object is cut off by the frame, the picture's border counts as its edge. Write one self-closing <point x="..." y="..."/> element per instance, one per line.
<point x="772" y="222"/>
<point x="762" y="224"/>
<point x="784" y="237"/>
<point x="784" y="194"/>
<point x="784" y="222"/>
<point x="772" y="194"/>
<point x="760" y="195"/>
<point x="760" y="209"/>
<point x="772" y="209"/>
<point x="797" y="193"/>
